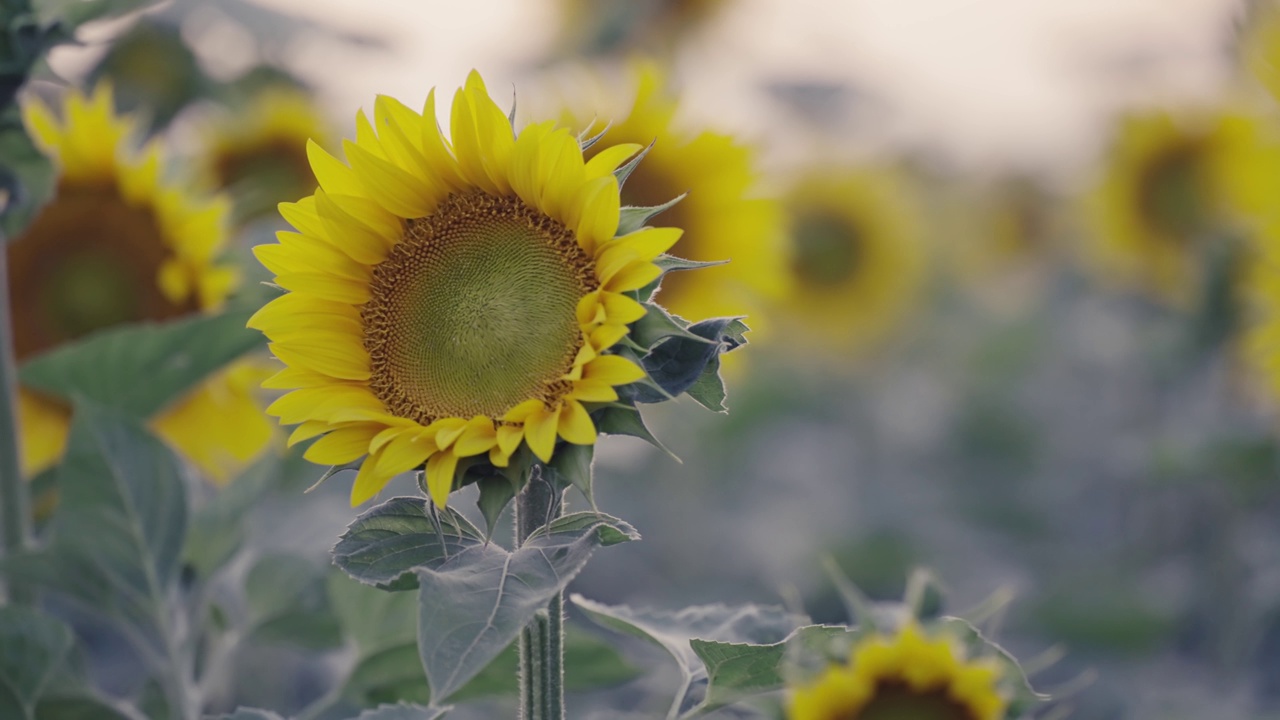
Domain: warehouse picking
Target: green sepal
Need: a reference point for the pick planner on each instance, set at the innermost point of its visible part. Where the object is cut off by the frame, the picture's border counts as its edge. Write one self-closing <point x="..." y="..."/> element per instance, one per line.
<point x="632" y="218"/>
<point x="622" y="419"/>
<point x="586" y="142"/>
<point x="669" y="263"/>
<point x="571" y="466"/>
<point x="624" y="171"/>
<point x="657" y="325"/>
<point x="677" y="363"/>
<point x="496" y="492"/>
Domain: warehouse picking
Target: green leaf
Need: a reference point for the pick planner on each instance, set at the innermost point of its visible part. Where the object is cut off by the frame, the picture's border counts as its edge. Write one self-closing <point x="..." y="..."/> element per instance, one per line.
<point x="385" y="544"/>
<point x="390" y="675"/>
<point x="1022" y="696"/>
<point x="140" y="369"/>
<point x="26" y="176"/>
<point x="631" y="219"/>
<point x="571" y="466"/>
<point x="475" y="602"/>
<point x="32" y="647"/>
<point x="740" y="670"/>
<point x="677" y="363"/>
<point x="218" y="525"/>
<point x="496" y="492"/>
<point x="675" y="631"/>
<point x="286" y="601"/>
<point x="708" y="390"/>
<point x="78" y="707"/>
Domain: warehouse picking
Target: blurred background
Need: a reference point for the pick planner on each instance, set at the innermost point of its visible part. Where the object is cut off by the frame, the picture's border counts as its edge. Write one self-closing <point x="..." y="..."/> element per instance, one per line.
<point x="1006" y="263"/>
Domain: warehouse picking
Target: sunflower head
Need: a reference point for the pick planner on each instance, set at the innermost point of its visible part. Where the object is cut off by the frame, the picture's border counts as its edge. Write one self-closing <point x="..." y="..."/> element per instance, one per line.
<point x="1174" y="190"/>
<point x="259" y="155"/>
<point x="116" y="244"/>
<point x="855" y="263"/>
<point x="468" y="304"/>
<point x="912" y="674"/>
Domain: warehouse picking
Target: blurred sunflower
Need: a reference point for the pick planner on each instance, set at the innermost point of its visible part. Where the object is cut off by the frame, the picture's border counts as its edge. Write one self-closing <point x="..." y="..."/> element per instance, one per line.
<point x="117" y="245"/>
<point x="259" y="154"/>
<point x="908" y="675"/>
<point x="856" y="261"/>
<point x="1175" y="189"/>
<point x="721" y="217"/>
<point x="1007" y="238"/>
<point x="1260" y="44"/>
<point x="452" y="301"/>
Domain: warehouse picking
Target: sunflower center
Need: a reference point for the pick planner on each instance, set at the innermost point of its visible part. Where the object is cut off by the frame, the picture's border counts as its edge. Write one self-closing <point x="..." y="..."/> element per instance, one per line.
<point x="826" y="249"/>
<point x="474" y="311"/>
<point x="1171" y="192"/>
<point x="897" y="701"/>
<point x="87" y="261"/>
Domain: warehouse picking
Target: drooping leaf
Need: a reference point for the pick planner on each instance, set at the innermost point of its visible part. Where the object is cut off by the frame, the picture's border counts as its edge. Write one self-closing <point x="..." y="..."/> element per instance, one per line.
<point x="474" y="603"/>
<point x="32" y="646"/>
<point x="385" y="544"/>
<point x="140" y="369"/>
<point x="496" y="492"/>
<point x="675" y="631"/>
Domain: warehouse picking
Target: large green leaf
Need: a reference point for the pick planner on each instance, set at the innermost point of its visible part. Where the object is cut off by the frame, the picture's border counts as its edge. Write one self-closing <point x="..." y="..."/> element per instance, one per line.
<point x="118" y="530"/>
<point x="472" y="604"/>
<point x="385" y="544"/>
<point x="140" y="369"/>
<point x="32" y="646"/>
<point x="675" y="632"/>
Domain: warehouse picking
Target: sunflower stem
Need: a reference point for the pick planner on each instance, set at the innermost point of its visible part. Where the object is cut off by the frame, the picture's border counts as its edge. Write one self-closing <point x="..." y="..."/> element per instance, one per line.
<point x="542" y="640"/>
<point x="14" y="504"/>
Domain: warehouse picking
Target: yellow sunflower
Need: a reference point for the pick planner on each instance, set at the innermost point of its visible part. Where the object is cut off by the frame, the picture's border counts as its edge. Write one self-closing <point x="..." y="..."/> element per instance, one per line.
<point x="1174" y="189"/>
<point x="117" y="245"/>
<point x="722" y="217"/>
<point x="856" y="261"/>
<point x="259" y="154"/>
<point x="909" y="675"/>
<point x="452" y="299"/>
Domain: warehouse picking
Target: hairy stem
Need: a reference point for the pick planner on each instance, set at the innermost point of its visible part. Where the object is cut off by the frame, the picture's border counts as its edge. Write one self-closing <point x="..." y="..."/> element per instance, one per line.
<point x="15" y="515"/>
<point x="542" y="641"/>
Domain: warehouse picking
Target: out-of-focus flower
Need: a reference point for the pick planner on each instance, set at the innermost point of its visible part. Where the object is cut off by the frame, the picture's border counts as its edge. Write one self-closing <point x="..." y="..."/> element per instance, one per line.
<point x="259" y="153"/>
<point x="1004" y="241"/>
<point x="1260" y="44"/>
<point x="118" y="244"/>
<point x="1175" y="189"/>
<point x="912" y="674"/>
<point x="454" y="301"/>
<point x="621" y="26"/>
<point x="722" y="217"/>
<point x="856" y="263"/>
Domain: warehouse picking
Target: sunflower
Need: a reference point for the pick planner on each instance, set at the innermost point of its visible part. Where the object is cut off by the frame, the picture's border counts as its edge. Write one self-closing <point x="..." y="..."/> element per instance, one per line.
<point x="856" y="259"/>
<point x="1175" y="187"/>
<point x="259" y="155"/>
<point x="118" y="245"/>
<point x="453" y="301"/>
<point x="1007" y="237"/>
<point x="721" y="216"/>
<point x="908" y="675"/>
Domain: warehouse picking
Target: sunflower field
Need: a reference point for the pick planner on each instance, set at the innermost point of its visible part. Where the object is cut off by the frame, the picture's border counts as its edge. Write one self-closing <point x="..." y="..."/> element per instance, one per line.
<point x="621" y="359"/>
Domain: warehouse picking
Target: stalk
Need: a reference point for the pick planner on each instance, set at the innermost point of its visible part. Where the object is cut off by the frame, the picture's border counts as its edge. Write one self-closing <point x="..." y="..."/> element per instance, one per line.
<point x="15" y="511"/>
<point x="542" y="640"/>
